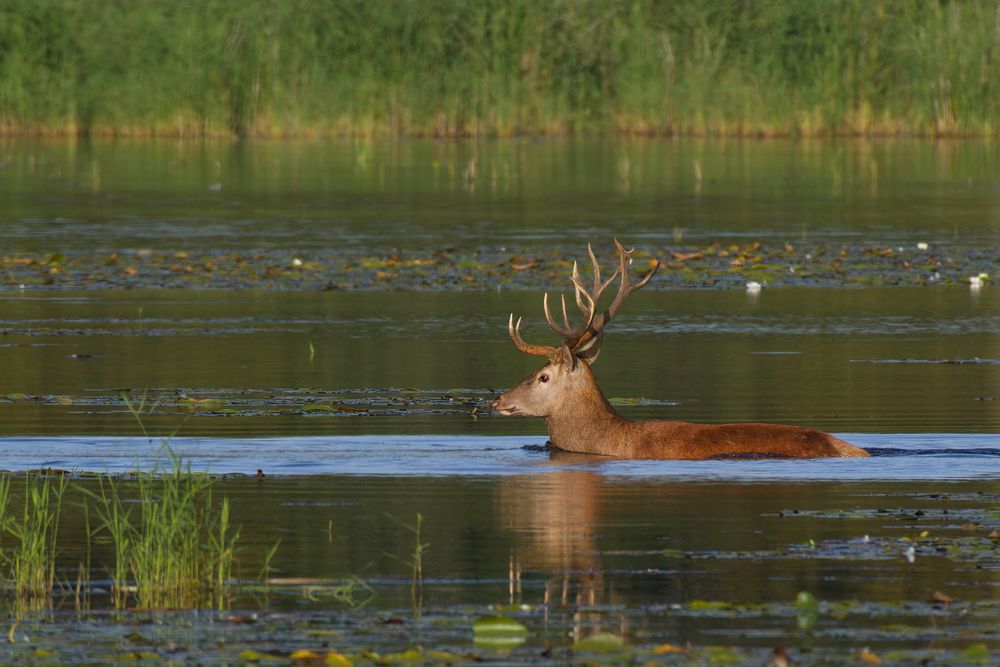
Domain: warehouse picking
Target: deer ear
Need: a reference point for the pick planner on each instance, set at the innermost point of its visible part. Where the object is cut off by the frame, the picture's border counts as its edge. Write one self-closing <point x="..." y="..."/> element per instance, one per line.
<point x="568" y="358"/>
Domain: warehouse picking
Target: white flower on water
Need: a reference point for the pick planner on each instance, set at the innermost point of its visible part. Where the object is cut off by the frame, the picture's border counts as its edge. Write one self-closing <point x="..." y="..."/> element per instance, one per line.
<point x="910" y="554"/>
<point x="922" y="246"/>
<point x="975" y="282"/>
<point x="296" y="262"/>
<point x="754" y="287"/>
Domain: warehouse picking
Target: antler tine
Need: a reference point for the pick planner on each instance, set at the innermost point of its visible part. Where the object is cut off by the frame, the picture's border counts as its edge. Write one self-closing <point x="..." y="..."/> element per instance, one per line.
<point x="515" y="335"/>
<point x="599" y="287"/>
<point x="568" y="333"/>
<point x="624" y="290"/>
<point x="589" y="311"/>
<point x="585" y="340"/>
<point x="597" y="269"/>
<point x="563" y="331"/>
<point x="576" y="292"/>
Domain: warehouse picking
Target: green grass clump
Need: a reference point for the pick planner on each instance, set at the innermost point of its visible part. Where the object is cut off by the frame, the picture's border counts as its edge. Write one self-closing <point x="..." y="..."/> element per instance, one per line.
<point x="499" y="67"/>
<point x="30" y="562"/>
<point x="176" y="549"/>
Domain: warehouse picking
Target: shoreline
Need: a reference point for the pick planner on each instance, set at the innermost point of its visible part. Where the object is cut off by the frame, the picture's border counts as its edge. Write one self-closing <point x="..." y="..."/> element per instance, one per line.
<point x="760" y="132"/>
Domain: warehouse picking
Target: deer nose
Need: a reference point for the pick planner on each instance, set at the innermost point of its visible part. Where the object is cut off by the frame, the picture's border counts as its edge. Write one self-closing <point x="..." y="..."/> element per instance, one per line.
<point x="496" y="403"/>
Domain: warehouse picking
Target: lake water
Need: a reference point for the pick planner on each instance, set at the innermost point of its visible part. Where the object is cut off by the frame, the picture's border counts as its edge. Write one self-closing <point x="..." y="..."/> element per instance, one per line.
<point x="365" y="405"/>
<point x="414" y="195"/>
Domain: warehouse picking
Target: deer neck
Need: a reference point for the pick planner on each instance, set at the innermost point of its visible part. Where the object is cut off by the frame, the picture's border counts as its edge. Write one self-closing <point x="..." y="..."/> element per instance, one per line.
<point x="587" y="423"/>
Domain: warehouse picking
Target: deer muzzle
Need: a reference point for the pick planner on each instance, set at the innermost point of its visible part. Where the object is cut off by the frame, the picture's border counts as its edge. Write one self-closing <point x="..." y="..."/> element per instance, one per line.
<point x="503" y="406"/>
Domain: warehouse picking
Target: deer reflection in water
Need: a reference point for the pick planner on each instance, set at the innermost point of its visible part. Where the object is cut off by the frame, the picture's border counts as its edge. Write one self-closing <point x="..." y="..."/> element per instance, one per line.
<point x="553" y="516"/>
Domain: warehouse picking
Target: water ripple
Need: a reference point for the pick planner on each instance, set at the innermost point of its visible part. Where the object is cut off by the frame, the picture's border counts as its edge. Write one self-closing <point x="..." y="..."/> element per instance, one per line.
<point x="898" y="457"/>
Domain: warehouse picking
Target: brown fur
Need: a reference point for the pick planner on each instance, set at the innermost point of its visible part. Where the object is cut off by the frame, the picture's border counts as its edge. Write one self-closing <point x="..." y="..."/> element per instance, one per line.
<point x="580" y="419"/>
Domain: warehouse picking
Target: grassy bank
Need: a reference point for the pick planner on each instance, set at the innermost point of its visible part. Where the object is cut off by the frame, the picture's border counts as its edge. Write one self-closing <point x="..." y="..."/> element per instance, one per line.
<point x="499" y="67"/>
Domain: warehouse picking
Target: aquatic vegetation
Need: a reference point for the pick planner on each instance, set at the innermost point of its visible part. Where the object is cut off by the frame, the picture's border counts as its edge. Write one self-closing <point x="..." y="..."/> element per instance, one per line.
<point x="633" y="618"/>
<point x="185" y="403"/>
<point x="808" y="610"/>
<point x="978" y="548"/>
<point x="179" y="550"/>
<point x="415" y="560"/>
<point x="30" y="563"/>
<point x="721" y="265"/>
<point x="499" y="632"/>
<point x="602" y="643"/>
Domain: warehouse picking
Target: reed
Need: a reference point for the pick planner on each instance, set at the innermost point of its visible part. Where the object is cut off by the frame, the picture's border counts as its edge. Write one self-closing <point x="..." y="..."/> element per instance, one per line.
<point x="415" y="561"/>
<point x="499" y="67"/>
<point x="177" y="549"/>
<point x="30" y="561"/>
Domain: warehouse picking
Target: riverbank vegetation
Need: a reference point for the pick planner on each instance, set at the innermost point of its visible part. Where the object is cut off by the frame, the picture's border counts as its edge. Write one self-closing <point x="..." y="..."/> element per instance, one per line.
<point x="499" y="68"/>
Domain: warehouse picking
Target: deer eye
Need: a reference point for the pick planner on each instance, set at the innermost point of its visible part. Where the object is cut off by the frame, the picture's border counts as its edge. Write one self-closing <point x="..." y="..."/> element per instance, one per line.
<point x="544" y="377"/>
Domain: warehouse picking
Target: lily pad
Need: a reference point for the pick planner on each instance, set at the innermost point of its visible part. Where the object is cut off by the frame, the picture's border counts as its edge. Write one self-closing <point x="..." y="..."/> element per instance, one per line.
<point x="602" y="643"/>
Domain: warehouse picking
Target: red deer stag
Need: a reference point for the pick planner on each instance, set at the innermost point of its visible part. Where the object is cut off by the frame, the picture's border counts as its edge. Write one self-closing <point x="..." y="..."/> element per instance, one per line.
<point x="564" y="391"/>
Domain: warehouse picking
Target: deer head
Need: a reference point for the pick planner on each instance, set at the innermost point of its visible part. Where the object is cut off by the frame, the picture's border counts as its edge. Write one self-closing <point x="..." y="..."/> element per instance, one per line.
<point x="559" y="383"/>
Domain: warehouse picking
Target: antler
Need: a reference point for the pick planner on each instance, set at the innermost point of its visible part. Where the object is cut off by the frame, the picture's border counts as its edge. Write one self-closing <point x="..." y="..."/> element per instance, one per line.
<point x="515" y="335"/>
<point x="595" y="331"/>
<point x="585" y="340"/>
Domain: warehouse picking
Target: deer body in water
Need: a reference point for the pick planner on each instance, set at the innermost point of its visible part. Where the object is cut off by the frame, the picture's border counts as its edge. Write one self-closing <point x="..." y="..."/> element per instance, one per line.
<point x="565" y="392"/>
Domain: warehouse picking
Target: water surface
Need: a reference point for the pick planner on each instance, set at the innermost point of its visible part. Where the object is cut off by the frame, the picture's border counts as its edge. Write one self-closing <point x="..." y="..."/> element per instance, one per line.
<point x="413" y="195"/>
<point x="922" y="360"/>
<point x="363" y="406"/>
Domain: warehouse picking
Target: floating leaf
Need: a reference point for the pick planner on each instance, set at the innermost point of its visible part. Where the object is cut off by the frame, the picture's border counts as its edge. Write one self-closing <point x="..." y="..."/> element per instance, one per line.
<point x="808" y="611"/>
<point x="305" y="654"/>
<point x="806" y="601"/>
<point x="722" y="655"/>
<point x="499" y="632"/>
<point x="710" y="605"/>
<point x="513" y="607"/>
<point x="498" y="625"/>
<point x="664" y="649"/>
<point x="335" y="659"/>
<point x="977" y="654"/>
<point x="409" y="655"/>
<point x="250" y="655"/>
<point x="943" y="598"/>
<point x="602" y="643"/>
<point x="868" y="657"/>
